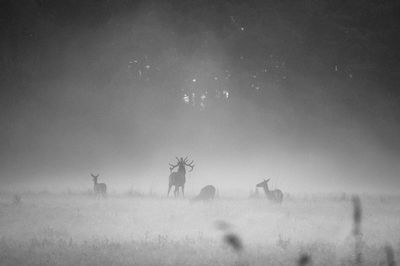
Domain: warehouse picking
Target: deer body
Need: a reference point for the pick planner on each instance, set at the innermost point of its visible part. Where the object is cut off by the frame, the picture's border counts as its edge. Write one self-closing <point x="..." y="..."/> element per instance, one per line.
<point x="178" y="178"/>
<point x="99" y="188"/>
<point x="206" y="193"/>
<point x="273" y="195"/>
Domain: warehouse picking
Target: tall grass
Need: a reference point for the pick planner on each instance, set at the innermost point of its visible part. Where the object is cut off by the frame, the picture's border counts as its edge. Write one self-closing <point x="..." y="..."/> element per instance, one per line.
<point x="80" y="229"/>
<point x="357" y="230"/>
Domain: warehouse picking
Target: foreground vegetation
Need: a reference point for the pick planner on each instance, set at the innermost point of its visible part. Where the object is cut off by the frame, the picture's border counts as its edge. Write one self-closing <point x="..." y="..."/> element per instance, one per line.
<point x="123" y="230"/>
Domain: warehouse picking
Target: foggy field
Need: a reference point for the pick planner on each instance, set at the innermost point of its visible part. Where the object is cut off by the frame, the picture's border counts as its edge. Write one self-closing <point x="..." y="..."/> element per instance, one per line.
<point x="297" y="99"/>
<point x="121" y="230"/>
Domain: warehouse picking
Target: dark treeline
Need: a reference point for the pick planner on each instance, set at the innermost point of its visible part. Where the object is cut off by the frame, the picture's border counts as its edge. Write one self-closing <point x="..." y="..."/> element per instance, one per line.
<point x="334" y="45"/>
<point x="323" y="66"/>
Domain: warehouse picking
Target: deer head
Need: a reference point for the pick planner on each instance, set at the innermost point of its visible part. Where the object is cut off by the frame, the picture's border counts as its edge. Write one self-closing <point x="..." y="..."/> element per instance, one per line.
<point x="263" y="183"/>
<point x="95" y="177"/>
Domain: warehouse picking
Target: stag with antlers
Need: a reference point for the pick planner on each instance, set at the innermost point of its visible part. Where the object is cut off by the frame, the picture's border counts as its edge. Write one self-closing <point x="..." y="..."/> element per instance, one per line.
<point x="178" y="178"/>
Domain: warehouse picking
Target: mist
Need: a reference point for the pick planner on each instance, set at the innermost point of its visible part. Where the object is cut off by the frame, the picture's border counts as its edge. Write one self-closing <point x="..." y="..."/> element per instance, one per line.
<point x="223" y="132"/>
<point x="121" y="89"/>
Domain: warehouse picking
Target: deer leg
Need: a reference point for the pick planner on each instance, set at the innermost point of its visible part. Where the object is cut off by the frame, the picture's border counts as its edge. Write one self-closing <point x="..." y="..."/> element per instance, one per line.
<point x="176" y="192"/>
<point x="169" y="189"/>
<point x="183" y="191"/>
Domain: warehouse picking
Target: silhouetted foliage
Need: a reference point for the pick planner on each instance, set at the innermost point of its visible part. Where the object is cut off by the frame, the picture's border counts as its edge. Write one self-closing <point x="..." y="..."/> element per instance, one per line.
<point x="357" y="216"/>
<point x="357" y="233"/>
<point x="304" y="260"/>
<point x="390" y="260"/>
<point x="234" y="241"/>
<point x="303" y="52"/>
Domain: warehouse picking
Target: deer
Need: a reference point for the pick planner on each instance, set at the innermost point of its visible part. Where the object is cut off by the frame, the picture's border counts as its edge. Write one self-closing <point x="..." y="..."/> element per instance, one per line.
<point x="178" y="178"/>
<point x="275" y="195"/>
<point x="99" y="188"/>
<point x="206" y="193"/>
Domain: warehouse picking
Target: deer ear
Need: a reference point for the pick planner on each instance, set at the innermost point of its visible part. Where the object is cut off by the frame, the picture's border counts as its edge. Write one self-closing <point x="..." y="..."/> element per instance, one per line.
<point x="267" y="180"/>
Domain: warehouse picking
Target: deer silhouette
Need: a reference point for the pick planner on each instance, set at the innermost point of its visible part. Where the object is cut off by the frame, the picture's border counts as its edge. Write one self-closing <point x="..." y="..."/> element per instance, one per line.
<point x="178" y="178"/>
<point x="273" y="195"/>
<point x="99" y="188"/>
<point x="206" y="193"/>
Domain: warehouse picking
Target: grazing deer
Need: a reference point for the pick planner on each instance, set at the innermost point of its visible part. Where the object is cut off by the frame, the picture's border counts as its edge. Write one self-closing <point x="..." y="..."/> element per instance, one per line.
<point x="206" y="193"/>
<point x="99" y="188"/>
<point x="178" y="178"/>
<point x="273" y="195"/>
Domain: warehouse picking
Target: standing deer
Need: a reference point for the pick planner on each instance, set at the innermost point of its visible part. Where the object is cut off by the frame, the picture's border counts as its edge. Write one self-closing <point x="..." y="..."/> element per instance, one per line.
<point x="275" y="195"/>
<point x="206" y="193"/>
<point x="99" y="188"/>
<point x="178" y="178"/>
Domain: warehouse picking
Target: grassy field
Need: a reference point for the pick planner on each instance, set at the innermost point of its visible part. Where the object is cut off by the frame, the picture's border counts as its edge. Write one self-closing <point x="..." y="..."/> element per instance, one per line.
<point x="47" y="229"/>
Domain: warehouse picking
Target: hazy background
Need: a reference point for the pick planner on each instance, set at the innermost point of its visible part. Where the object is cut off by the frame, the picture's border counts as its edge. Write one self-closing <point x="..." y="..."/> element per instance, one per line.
<point x="306" y="93"/>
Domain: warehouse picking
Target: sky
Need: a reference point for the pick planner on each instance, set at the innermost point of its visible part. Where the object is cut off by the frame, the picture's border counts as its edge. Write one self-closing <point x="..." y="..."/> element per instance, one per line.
<point x="302" y="94"/>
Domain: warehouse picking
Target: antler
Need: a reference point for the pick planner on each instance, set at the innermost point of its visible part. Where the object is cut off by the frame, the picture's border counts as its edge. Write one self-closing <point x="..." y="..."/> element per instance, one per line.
<point x="172" y="166"/>
<point x="94" y="175"/>
<point x="191" y="165"/>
